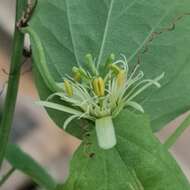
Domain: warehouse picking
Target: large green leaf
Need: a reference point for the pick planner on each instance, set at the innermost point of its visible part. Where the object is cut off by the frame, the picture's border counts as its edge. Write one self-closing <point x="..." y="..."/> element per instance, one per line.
<point x="23" y="162"/>
<point x="138" y="162"/>
<point x="68" y="29"/>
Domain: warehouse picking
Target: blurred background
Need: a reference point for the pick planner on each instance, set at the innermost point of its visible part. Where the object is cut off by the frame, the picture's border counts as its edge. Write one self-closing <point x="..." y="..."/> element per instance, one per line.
<point x="36" y="133"/>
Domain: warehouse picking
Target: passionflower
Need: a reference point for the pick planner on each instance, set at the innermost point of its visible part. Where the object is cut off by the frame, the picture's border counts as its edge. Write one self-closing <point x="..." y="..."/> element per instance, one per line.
<point x="99" y="94"/>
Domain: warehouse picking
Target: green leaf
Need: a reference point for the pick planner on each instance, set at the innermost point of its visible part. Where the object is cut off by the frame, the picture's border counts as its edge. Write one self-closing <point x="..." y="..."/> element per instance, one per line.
<point x="23" y="162"/>
<point x="69" y="29"/>
<point x="138" y="162"/>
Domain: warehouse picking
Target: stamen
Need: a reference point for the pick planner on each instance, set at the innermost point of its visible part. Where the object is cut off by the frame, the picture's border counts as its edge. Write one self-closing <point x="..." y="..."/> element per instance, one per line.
<point x="114" y="68"/>
<point x="83" y="73"/>
<point x="125" y="62"/>
<point x="76" y="73"/>
<point x="68" y="88"/>
<point x="99" y="86"/>
<point x="110" y="60"/>
<point x="90" y="64"/>
<point x="149" y="83"/>
<point x="121" y="78"/>
<point x="134" y="72"/>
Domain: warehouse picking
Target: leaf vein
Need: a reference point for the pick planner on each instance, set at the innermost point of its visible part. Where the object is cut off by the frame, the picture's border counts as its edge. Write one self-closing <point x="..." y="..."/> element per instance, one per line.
<point x="105" y="31"/>
<point x="149" y="35"/>
<point x="71" y="33"/>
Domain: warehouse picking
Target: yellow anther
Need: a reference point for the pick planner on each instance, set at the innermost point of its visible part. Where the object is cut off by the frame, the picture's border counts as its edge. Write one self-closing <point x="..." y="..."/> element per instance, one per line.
<point x="121" y="78"/>
<point x="83" y="73"/>
<point x="77" y="77"/>
<point x="68" y="88"/>
<point x="76" y="73"/>
<point x="114" y="68"/>
<point x="98" y="86"/>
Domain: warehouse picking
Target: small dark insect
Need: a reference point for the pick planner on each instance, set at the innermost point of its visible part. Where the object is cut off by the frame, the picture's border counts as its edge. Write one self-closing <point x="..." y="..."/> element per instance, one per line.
<point x="87" y="134"/>
<point x="27" y="53"/>
<point x="86" y="146"/>
<point x="91" y="155"/>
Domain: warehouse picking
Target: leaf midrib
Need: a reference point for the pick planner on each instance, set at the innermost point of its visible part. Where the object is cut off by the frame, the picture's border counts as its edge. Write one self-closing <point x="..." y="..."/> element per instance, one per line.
<point x="71" y="33"/>
<point x="107" y="27"/>
<point x="105" y="32"/>
<point x="129" y="170"/>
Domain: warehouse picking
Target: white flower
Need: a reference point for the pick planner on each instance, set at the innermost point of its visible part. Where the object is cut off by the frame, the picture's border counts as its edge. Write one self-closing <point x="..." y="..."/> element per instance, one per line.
<point x="101" y="97"/>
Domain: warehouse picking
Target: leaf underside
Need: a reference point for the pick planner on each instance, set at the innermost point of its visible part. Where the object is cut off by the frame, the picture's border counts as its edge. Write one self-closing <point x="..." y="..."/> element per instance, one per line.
<point x="138" y="162"/>
<point x="69" y="29"/>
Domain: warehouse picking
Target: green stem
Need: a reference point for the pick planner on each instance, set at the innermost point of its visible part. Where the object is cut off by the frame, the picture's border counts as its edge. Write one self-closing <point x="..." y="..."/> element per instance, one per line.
<point x="13" y="82"/>
<point x="6" y="176"/>
<point x="177" y="133"/>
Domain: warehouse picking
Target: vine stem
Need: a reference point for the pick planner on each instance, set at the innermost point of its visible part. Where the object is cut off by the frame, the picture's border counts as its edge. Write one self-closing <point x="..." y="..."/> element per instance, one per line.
<point x="13" y="82"/>
<point x="6" y="176"/>
<point x="177" y="133"/>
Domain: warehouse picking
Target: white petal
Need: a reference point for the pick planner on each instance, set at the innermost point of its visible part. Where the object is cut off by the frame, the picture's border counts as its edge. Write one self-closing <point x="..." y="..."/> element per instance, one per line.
<point x="59" y="107"/>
